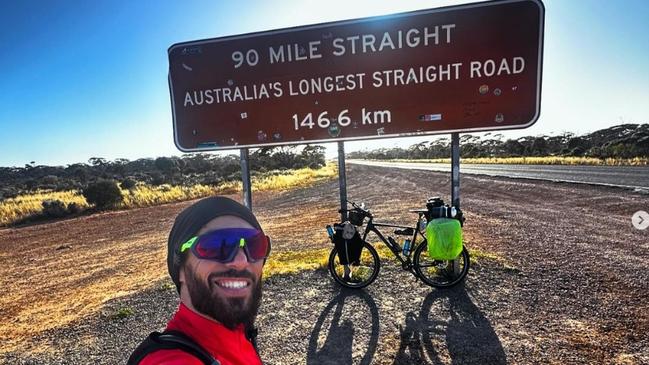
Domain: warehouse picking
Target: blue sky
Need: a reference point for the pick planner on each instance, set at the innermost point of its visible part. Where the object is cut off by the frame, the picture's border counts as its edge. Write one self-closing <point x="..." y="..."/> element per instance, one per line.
<point x="80" y="79"/>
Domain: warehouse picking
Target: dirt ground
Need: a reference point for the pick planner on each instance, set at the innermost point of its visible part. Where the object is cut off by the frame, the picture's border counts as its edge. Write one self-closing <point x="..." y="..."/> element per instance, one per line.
<point x="565" y="280"/>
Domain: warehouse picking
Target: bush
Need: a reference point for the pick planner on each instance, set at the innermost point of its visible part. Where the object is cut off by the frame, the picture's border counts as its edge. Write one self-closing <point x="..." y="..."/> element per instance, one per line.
<point x="103" y="194"/>
<point x="49" y="180"/>
<point x="8" y="193"/>
<point x="128" y="184"/>
<point x="54" y="208"/>
<point x="157" y="178"/>
<point x="74" y="208"/>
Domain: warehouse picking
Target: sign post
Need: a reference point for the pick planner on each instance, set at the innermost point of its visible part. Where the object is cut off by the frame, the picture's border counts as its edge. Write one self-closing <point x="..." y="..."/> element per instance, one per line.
<point x="455" y="185"/>
<point x="342" y="180"/>
<point x="455" y="169"/>
<point x="245" y="177"/>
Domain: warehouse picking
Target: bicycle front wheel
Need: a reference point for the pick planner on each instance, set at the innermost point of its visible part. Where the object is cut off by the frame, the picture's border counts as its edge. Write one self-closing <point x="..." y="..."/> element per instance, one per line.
<point x="440" y="273"/>
<point x="359" y="274"/>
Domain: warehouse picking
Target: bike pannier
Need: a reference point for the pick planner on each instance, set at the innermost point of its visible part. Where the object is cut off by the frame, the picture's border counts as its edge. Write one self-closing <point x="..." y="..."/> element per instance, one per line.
<point x="356" y="218"/>
<point x="444" y="237"/>
<point x="348" y="243"/>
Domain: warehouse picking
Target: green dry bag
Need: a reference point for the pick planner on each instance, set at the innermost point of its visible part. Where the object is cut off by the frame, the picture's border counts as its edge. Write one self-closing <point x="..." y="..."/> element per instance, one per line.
<point x="444" y="237"/>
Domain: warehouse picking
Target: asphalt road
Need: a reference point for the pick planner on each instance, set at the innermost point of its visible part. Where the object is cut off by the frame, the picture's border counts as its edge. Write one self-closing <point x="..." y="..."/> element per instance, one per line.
<point x="635" y="177"/>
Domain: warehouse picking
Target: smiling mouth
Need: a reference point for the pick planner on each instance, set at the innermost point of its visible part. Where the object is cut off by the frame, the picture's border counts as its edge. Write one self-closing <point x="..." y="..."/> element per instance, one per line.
<point x="232" y="284"/>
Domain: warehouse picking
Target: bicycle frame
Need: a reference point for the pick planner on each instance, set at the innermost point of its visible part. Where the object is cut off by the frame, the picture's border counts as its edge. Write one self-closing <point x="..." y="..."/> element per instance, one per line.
<point x="396" y="250"/>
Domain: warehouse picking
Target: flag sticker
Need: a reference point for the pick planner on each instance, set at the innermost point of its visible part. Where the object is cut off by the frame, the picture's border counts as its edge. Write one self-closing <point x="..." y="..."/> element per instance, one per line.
<point x="430" y="117"/>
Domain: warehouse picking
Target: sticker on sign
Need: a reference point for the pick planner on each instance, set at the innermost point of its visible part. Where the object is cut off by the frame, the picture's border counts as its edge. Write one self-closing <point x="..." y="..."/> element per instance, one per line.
<point x="417" y="73"/>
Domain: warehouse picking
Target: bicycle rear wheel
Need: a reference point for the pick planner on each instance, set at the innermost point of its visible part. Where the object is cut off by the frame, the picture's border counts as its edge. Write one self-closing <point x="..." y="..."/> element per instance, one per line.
<point x="440" y="273"/>
<point x="357" y="275"/>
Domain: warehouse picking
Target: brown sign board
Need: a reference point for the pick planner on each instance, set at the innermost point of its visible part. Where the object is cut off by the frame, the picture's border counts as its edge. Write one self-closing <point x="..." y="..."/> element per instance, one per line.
<point x="474" y="67"/>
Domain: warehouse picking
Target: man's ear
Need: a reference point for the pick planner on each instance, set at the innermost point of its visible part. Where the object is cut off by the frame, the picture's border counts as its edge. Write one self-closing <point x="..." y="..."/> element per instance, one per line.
<point x="181" y="275"/>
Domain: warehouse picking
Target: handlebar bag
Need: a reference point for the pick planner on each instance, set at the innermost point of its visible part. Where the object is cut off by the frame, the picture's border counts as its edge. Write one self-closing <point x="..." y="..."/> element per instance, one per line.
<point x="444" y="237"/>
<point x="348" y="243"/>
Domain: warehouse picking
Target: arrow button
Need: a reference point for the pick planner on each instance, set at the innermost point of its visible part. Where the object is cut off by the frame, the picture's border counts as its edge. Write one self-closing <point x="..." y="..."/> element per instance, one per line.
<point x="640" y="220"/>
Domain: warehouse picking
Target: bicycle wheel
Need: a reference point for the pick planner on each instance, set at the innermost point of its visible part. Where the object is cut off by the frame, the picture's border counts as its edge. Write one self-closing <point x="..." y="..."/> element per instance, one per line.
<point x="358" y="275"/>
<point x="440" y="273"/>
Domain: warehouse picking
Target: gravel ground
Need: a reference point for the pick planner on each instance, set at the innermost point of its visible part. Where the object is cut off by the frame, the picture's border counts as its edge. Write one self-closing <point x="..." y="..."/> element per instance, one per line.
<point x="306" y="318"/>
<point x="568" y="284"/>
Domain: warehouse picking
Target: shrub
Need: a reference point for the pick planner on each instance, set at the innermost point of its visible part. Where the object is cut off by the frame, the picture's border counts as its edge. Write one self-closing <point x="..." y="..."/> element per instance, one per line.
<point x="103" y="194"/>
<point x="128" y="184"/>
<point x="157" y="178"/>
<point x="8" y="193"/>
<point x="74" y="208"/>
<point x="54" y="208"/>
<point x="49" y="180"/>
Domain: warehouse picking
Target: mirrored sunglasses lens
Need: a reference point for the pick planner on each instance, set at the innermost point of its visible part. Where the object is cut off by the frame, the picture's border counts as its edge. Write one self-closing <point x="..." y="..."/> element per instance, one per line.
<point x="216" y="249"/>
<point x="257" y="246"/>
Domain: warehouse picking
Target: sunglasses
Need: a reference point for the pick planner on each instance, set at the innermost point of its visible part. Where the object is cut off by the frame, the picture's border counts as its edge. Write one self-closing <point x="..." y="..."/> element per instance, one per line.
<point x="223" y="245"/>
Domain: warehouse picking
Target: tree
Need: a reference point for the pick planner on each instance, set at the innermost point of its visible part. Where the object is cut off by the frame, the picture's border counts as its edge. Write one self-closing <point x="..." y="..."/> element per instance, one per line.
<point x="313" y="156"/>
<point x="103" y="194"/>
<point x="539" y="146"/>
<point x="97" y="161"/>
<point x="128" y="184"/>
<point x="165" y="164"/>
<point x="513" y="148"/>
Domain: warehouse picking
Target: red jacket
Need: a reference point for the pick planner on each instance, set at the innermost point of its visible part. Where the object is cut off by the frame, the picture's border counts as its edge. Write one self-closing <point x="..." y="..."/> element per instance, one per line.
<point x="230" y="347"/>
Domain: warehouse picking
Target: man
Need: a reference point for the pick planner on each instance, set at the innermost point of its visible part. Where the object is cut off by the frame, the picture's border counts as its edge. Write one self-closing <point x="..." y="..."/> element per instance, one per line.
<point x="215" y="256"/>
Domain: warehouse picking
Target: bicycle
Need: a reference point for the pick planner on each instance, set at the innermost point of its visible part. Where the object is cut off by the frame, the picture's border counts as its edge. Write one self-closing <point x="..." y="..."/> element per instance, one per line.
<point x="362" y="272"/>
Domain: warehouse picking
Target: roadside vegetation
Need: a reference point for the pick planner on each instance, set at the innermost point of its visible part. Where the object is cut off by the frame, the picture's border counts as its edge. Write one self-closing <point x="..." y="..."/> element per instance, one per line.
<point x="44" y="192"/>
<point x="626" y="144"/>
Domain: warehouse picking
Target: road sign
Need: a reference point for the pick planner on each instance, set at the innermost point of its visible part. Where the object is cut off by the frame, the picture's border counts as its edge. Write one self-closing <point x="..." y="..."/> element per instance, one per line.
<point x="466" y="68"/>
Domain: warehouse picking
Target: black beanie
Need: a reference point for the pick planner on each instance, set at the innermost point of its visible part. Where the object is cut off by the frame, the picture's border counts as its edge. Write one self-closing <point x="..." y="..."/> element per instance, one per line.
<point x="192" y="219"/>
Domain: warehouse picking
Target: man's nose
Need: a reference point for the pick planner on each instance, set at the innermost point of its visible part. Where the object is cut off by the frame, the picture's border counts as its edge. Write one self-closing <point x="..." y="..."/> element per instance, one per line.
<point x="240" y="261"/>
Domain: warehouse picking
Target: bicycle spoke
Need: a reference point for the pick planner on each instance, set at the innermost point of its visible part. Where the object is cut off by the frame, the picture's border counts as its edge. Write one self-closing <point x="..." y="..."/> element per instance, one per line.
<point x="439" y="273"/>
<point x="357" y="274"/>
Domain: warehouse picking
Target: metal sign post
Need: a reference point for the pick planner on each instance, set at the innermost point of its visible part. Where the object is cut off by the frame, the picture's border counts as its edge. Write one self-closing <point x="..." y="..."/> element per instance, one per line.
<point x="455" y="185"/>
<point x="455" y="169"/>
<point x="342" y="180"/>
<point x="245" y="177"/>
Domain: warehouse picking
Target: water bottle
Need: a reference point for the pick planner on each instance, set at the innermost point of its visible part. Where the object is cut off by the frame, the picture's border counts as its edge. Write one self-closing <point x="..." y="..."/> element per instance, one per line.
<point x="406" y="247"/>
<point x="330" y="231"/>
<point x="422" y="224"/>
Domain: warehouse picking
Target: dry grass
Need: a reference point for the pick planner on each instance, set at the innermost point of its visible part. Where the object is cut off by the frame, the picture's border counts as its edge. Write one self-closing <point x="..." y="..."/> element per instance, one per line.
<point x="146" y="195"/>
<point x="23" y="206"/>
<point x="283" y="180"/>
<point x="547" y="160"/>
<point x="291" y="262"/>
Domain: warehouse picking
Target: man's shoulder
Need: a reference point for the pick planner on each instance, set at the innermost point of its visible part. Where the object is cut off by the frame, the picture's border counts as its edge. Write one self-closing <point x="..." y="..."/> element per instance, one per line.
<point x="170" y="357"/>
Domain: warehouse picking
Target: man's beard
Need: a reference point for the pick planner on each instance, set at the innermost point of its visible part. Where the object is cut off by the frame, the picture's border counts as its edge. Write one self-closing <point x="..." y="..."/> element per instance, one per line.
<point x="228" y="311"/>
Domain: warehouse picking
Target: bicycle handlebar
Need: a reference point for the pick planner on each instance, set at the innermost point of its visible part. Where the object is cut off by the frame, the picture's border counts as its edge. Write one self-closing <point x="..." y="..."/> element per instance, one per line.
<point x="357" y="208"/>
